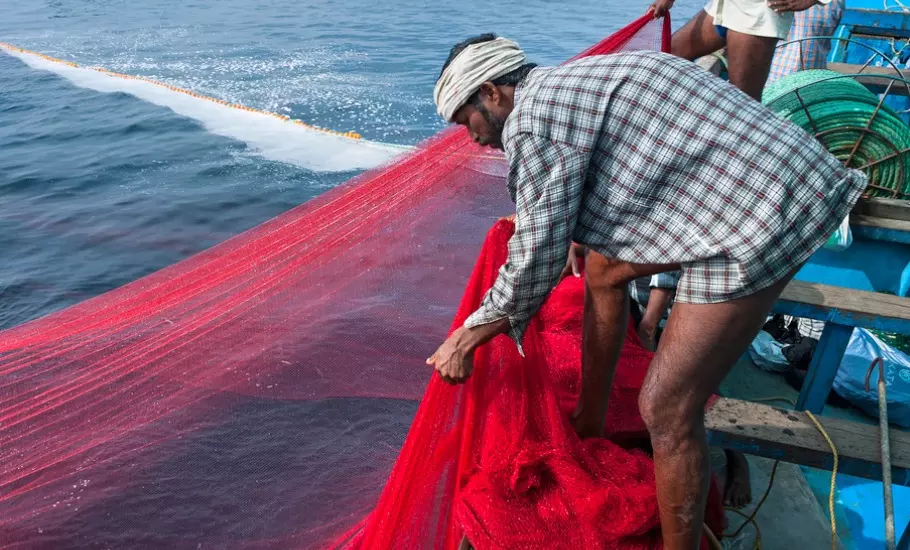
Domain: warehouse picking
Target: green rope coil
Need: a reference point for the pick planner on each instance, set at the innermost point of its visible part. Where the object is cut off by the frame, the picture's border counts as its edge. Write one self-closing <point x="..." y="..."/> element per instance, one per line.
<point x="839" y="109"/>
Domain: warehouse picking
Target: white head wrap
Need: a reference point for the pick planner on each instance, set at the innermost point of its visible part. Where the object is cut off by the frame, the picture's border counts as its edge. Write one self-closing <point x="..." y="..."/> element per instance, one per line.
<point x="475" y="65"/>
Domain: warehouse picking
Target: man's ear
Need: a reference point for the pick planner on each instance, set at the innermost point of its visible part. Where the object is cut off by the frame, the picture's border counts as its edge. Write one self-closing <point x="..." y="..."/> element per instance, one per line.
<point x="490" y="90"/>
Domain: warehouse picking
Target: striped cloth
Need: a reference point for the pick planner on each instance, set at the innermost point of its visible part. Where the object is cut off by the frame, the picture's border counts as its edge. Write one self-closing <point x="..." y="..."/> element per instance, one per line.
<point x="646" y="158"/>
<point x="819" y="20"/>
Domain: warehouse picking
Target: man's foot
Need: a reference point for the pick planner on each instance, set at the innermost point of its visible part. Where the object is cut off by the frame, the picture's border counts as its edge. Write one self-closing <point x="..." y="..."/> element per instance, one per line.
<point x="737" y="487"/>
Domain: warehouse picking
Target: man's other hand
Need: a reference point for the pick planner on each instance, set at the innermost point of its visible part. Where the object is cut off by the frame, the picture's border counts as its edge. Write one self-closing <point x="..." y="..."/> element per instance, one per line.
<point x="781" y="6"/>
<point x="573" y="262"/>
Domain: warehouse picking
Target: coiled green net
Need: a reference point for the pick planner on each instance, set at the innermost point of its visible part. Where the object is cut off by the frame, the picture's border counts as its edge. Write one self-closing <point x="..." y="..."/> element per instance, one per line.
<point x="837" y="109"/>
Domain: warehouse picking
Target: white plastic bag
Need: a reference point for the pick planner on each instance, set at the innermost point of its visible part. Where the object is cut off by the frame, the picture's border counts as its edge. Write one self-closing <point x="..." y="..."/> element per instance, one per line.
<point x="842" y="238"/>
<point x="850" y="381"/>
<point x="767" y="353"/>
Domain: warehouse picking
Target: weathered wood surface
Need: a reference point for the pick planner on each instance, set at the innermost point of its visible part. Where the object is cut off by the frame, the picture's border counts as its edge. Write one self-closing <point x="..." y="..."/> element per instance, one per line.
<point x="844" y="306"/>
<point x="790" y="436"/>
<point x="874" y="77"/>
<point x="890" y="209"/>
<point x="884" y="223"/>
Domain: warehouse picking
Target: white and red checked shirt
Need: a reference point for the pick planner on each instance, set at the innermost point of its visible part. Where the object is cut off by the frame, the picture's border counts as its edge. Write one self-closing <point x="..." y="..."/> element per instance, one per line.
<point x="647" y="158"/>
<point x="805" y="47"/>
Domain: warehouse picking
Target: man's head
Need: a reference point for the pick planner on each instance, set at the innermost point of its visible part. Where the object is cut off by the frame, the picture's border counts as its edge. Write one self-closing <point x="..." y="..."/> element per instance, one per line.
<point x="476" y="87"/>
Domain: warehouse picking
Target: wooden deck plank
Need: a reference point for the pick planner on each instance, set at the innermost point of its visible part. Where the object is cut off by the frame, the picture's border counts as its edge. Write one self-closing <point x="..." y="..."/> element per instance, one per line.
<point x="790" y="436"/>
<point x="881" y="229"/>
<point x="874" y="77"/>
<point x="889" y="209"/>
<point x="844" y="306"/>
<point x="884" y="223"/>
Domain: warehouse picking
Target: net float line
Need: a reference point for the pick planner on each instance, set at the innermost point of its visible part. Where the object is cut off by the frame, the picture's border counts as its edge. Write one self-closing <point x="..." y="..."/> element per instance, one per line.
<point x="349" y="134"/>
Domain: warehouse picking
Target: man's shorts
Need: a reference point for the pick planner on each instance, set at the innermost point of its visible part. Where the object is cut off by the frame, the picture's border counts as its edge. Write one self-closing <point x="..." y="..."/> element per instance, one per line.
<point x="752" y="17"/>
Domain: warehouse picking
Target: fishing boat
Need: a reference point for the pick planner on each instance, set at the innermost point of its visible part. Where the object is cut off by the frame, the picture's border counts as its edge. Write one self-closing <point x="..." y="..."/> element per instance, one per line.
<point x="865" y="286"/>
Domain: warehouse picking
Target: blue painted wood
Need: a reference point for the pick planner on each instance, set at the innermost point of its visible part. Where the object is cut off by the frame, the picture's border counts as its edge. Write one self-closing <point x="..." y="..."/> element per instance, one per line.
<point x="886" y="31"/>
<point x="871" y="265"/>
<point x="890" y="46"/>
<point x="825" y="362"/>
<point x="859" y="508"/>
<point x="847" y="466"/>
<point x="869" y="18"/>
<point x="839" y="49"/>
<point x="868" y="232"/>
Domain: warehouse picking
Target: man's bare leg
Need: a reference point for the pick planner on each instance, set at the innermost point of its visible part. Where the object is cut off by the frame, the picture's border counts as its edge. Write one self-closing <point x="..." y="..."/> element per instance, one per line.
<point x="606" y="317"/>
<point x="658" y="302"/>
<point x="697" y="38"/>
<point x="699" y="347"/>
<point x="749" y="56"/>
<point x="737" y="485"/>
<point x="749" y="61"/>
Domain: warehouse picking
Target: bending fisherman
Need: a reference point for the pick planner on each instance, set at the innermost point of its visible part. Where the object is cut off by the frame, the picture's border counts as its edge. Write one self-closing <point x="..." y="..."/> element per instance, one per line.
<point x="653" y="165"/>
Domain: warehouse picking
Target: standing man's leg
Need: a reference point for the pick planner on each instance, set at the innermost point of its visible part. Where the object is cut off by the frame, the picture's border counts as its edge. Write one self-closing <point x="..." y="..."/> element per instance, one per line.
<point x="737" y="484"/>
<point x="749" y="56"/>
<point x="699" y="347"/>
<point x="697" y="38"/>
<point x="749" y="61"/>
<point x="606" y="318"/>
<point x="658" y="302"/>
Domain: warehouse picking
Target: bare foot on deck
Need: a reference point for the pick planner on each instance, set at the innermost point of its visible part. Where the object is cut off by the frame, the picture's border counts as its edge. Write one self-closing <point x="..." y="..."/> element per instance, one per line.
<point x="737" y="487"/>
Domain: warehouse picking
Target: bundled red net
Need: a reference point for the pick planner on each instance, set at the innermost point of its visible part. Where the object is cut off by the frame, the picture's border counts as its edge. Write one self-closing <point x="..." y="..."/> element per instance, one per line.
<point x="257" y="394"/>
<point x="498" y="461"/>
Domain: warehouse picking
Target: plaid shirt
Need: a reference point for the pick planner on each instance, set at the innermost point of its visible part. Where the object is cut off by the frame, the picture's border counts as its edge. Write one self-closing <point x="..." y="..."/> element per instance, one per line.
<point x="819" y="20"/>
<point x="647" y="158"/>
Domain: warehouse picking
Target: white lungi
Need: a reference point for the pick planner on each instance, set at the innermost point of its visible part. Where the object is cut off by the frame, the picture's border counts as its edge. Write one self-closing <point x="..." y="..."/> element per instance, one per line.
<point x="752" y="17"/>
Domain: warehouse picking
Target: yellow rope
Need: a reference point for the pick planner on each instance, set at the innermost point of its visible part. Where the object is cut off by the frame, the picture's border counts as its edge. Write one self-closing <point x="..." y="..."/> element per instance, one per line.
<point x="833" y="478"/>
<point x="349" y="135"/>
<point x="751" y="518"/>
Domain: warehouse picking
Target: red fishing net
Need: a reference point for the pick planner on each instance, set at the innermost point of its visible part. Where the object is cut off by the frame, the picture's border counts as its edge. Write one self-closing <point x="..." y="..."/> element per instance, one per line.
<point x="498" y="460"/>
<point x="258" y="394"/>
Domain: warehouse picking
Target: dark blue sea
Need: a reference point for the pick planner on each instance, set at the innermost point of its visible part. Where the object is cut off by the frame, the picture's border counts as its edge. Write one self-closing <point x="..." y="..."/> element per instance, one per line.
<point x="100" y="188"/>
